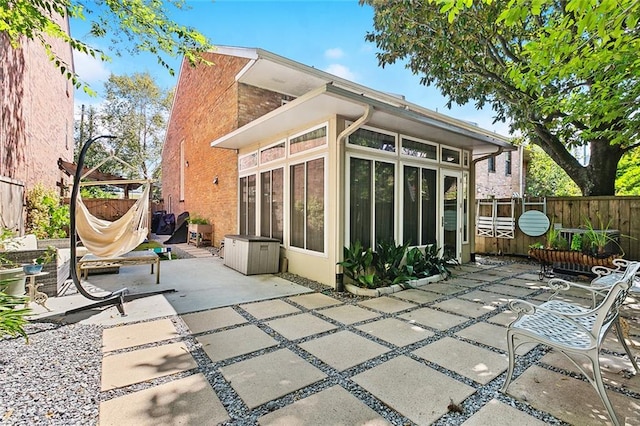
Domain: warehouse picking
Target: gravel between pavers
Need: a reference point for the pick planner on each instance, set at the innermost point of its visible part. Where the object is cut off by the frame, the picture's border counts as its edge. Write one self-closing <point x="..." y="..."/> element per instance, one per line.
<point x="55" y="379"/>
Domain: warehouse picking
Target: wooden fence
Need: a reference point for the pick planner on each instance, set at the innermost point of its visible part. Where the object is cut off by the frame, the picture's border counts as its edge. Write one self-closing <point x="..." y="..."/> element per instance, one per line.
<point x="569" y="212"/>
<point x="112" y="208"/>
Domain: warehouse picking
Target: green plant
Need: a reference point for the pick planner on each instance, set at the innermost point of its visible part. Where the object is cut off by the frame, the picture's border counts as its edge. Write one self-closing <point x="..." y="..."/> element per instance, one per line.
<point x="357" y="265"/>
<point x="555" y="240"/>
<point x="197" y="220"/>
<point x="386" y="262"/>
<point x="438" y="264"/>
<point x="5" y="244"/>
<point x="12" y="320"/>
<point x="536" y="245"/>
<point x="46" y="217"/>
<point x="595" y="240"/>
<point x="576" y="242"/>
<point x="49" y="254"/>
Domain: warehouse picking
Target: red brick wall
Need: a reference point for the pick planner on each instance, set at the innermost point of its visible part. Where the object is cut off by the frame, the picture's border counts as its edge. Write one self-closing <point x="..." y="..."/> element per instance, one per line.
<point x="36" y="107"/>
<point x="209" y="103"/>
<point x="497" y="183"/>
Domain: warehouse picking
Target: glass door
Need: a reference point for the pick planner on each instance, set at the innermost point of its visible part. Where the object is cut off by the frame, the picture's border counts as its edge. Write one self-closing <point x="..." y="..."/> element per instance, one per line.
<point x="450" y="228"/>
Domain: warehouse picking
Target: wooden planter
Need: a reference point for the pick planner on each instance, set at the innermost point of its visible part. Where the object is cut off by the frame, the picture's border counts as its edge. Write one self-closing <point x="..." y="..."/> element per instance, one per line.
<point x="550" y="256"/>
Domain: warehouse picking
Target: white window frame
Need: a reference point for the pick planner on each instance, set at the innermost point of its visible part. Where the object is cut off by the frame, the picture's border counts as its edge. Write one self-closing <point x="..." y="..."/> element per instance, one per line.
<point x="242" y="157"/>
<point x="419" y="165"/>
<point x="424" y="141"/>
<point x="281" y="141"/>
<point x="310" y="150"/>
<point x="285" y="204"/>
<point x="458" y="150"/>
<point x="375" y="150"/>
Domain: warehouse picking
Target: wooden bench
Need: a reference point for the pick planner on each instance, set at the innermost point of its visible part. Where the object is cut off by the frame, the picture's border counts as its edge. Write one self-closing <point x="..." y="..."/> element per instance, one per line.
<point x="90" y="261"/>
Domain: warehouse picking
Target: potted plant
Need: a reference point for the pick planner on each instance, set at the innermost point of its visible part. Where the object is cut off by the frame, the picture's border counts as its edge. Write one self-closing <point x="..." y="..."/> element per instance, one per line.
<point x="39" y="262"/>
<point x="199" y="230"/>
<point x="12" y="276"/>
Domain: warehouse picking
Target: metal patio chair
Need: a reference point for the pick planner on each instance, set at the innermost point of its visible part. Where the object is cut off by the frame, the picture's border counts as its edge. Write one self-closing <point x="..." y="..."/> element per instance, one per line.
<point x="570" y="328"/>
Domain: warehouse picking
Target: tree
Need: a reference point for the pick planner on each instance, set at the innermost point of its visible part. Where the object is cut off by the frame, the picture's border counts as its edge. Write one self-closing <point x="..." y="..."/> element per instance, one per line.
<point x="135" y="111"/>
<point x="544" y="177"/>
<point x="628" y="181"/>
<point x="139" y="25"/>
<point x="565" y="73"/>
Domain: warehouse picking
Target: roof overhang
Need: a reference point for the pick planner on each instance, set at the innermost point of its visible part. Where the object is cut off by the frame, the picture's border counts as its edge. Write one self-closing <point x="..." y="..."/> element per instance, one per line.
<point x="329" y="100"/>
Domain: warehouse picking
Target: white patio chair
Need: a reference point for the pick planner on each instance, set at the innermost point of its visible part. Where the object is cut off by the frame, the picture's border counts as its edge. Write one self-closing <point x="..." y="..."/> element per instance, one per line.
<point x="569" y="328"/>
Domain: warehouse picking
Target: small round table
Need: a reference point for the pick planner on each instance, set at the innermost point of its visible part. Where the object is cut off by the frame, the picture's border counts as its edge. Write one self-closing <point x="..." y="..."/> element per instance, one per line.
<point x="34" y="295"/>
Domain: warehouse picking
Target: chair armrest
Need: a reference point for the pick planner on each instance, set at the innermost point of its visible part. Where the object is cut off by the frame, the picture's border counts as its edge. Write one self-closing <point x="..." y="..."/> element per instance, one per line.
<point x="522" y="307"/>
<point x="558" y="284"/>
<point x="603" y="270"/>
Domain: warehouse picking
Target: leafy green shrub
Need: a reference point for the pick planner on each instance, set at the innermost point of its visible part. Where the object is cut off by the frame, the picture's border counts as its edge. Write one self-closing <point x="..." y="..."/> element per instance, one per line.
<point x="12" y="320"/>
<point x="197" y="220"/>
<point x="357" y="265"/>
<point x="386" y="262"/>
<point x="46" y="217"/>
<point x="576" y="242"/>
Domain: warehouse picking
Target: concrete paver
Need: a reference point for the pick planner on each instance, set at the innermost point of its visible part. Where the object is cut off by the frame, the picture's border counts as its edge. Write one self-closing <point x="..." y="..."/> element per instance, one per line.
<point x="187" y="401"/>
<point x="434" y="319"/>
<point x="299" y="326"/>
<point x="332" y="406"/>
<point x="497" y="413"/>
<point x="572" y="400"/>
<point x="504" y="318"/>
<point x="419" y="392"/>
<point x="464" y="307"/>
<point x="348" y="314"/>
<point x="315" y="300"/>
<point x="516" y="292"/>
<point x="492" y="335"/>
<point x="269" y="308"/>
<point x="396" y="332"/>
<point x="344" y="349"/>
<point x="486" y="298"/>
<point x="466" y="282"/>
<point x="476" y="363"/>
<point x="387" y="304"/>
<point x="417" y="296"/>
<point x="145" y="364"/>
<point x="137" y="334"/>
<point x="212" y="320"/>
<point x="270" y="376"/>
<point x="238" y="341"/>
<point x="444" y="288"/>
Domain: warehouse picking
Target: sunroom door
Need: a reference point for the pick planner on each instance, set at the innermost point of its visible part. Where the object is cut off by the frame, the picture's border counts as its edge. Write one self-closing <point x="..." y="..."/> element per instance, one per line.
<point x="451" y="200"/>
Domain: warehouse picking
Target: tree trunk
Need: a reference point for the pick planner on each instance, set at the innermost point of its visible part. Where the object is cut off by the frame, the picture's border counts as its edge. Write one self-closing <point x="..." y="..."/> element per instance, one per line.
<point x="596" y="178"/>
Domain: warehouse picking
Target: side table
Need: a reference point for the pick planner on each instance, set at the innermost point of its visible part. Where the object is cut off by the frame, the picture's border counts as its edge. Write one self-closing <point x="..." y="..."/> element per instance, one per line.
<point x="34" y="295"/>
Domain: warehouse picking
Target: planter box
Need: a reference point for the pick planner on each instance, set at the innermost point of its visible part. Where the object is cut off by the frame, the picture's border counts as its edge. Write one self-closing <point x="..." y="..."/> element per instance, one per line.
<point x="200" y="234"/>
<point x="571" y="257"/>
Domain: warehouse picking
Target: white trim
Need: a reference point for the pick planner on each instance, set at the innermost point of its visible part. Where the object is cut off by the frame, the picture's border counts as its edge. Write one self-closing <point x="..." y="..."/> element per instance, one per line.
<point x="241" y="157"/>
<point x="457" y="174"/>
<point x="284" y="157"/>
<point x="449" y="163"/>
<point x="419" y="165"/>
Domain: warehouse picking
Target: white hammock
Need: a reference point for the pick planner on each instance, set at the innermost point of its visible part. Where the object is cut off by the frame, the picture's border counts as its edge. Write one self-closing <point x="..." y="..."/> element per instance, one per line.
<point x="111" y="239"/>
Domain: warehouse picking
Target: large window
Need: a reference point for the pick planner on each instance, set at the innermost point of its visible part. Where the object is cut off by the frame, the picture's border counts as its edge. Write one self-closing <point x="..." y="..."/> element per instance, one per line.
<point x="307" y="205"/>
<point x="419" y="206"/>
<point x="308" y="140"/>
<point x="248" y="205"/>
<point x="271" y="204"/>
<point x="372" y="202"/>
<point x="507" y="164"/>
<point x="372" y="139"/>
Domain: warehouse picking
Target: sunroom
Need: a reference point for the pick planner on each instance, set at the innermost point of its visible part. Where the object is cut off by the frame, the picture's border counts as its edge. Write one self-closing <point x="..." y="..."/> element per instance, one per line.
<point x="335" y="166"/>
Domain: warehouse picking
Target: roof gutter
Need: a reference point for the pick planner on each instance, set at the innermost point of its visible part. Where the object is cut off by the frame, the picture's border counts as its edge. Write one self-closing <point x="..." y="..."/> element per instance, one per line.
<point x="341" y="140"/>
<point x="486" y="157"/>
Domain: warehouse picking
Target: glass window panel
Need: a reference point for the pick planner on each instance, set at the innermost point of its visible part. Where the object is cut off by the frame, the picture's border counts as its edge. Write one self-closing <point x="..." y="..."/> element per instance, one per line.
<point x="243" y="206"/>
<point x="429" y="207"/>
<point x="371" y="139"/>
<point x="265" y="204"/>
<point x="450" y="156"/>
<point x="272" y="153"/>
<point x="491" y="165"/>
<point x="411" y="206"/>
<point x="419" y="149"/>
<point x="248" y="161"/>
<point x="315" y="205"/>
<point x="384" y="204"/>
<point x="360" y="202"/>
<point x="507" y="164"/>
<point x="277" y="204"/>
<point x="465" y="207"/>
<point x="312" y="139"/>
<point x="297" y="205"/>
<point x="251" y="205"/>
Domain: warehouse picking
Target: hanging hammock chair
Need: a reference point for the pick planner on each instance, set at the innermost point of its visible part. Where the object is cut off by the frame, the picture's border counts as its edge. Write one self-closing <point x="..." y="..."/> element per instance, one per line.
<point x="111" y="239"/>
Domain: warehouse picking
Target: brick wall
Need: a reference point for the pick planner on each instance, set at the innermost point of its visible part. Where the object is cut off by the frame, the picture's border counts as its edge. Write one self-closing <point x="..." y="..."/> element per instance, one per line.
<point x="498" y="183"/>
<point x="37" y="113"/>
<point x="209" y="103"/>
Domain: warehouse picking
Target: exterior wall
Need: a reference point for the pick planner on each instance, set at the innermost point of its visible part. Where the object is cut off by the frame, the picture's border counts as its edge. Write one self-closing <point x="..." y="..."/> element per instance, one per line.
<point x="498" y="184"/>
<point x="36" y="126"/>
<point x="209" y="103"/>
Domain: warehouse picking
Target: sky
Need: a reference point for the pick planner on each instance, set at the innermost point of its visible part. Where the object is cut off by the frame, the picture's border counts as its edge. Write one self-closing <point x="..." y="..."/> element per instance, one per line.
<point x="326" y="34"/>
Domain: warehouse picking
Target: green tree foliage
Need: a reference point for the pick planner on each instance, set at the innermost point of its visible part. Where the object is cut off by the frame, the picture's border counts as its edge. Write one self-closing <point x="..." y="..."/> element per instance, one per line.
<point x="132" y="25"/>
<point x="628" y="181"/>
<point x="544" y="177"/>
<point x="564" y="73"/>
<point x="46" y="216"/>
<point x="136" y="110"/>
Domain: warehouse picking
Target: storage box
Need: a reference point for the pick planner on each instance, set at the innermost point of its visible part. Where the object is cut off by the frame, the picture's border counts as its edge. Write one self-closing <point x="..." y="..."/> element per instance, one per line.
<point x="251" y="254"/>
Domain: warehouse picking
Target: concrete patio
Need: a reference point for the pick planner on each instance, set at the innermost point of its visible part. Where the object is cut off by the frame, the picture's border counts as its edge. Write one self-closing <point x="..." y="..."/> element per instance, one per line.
<point x="245" y="350"/>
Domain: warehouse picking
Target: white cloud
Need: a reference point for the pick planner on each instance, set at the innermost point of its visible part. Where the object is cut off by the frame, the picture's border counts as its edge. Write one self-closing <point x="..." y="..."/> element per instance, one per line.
<point x="341" y="71"/>
<point x="334" y="53"/>
<point x="90" y="69"/>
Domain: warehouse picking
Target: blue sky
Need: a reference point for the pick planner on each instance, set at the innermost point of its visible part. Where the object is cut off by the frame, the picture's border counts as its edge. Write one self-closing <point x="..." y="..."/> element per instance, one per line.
<point x="328" y="35"/>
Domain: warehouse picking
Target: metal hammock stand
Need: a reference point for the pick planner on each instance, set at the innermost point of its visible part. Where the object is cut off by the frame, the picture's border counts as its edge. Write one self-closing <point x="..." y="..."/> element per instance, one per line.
<point x="119" y="297"/>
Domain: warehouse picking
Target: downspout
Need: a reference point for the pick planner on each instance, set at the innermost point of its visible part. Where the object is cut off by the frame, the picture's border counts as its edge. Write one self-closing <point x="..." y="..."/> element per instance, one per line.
<point x="339" y="211"/>
<point x="486" y="157"/>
